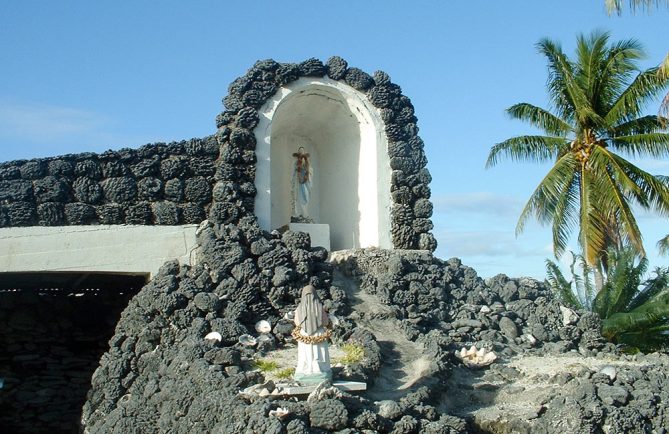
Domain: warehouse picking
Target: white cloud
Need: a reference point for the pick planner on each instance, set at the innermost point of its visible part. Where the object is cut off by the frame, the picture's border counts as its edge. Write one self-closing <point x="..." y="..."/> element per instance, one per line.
<point x="29" y="130"/>
<point x="38" y="122"/>
<point x="491" y="244"/>
<point x="494" y="252"/>
<point x="485" y="203"/>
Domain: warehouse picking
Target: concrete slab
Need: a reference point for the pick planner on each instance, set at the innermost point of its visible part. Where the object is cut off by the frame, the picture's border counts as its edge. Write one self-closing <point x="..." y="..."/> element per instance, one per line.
<point x="99" y="248"/>
<point x="290" y="389"/>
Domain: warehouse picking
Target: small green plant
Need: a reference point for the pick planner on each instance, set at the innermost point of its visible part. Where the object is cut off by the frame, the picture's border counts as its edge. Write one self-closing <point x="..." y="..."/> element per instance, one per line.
<point x="265" y="365"/>
<point x="285" y="374"/>
<point x="353" y="353"/>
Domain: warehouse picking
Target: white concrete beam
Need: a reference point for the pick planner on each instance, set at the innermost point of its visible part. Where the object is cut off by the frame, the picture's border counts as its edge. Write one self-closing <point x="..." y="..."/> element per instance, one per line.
<point x="103" y="248"/>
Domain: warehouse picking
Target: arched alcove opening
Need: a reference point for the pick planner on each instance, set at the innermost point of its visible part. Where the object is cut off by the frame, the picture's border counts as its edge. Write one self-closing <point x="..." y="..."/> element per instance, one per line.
<point x="345" y="140"/>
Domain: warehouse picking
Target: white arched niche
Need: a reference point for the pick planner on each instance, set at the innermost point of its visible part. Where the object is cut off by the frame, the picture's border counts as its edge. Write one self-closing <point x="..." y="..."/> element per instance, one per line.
<point x="345" y="138"/>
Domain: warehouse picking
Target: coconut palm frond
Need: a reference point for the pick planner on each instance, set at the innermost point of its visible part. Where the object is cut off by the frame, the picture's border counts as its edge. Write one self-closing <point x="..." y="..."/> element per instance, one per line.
<point x="539" y="118"/>
<point x="527" y="148"/>
<point x="663" y="245"/>
<point x="632" y="100"/>
<point x="652" y="288"/>
<point x="649" y="191"/>
<point x="615" y="189"/>
<point x="593" y="220"/>
<point x="654" y="145"/>
<point x="643" y="125"/>
<point x="643" y="317"/>
<point x="547" y="197"/>
<point x="567" y="96"/>
<point x="616" y="6"/>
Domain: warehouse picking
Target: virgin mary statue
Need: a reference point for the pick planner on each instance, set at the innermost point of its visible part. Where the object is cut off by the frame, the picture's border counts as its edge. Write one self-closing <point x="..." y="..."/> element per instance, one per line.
<point x="301" y="183"/>
<point x="312" y="334"/>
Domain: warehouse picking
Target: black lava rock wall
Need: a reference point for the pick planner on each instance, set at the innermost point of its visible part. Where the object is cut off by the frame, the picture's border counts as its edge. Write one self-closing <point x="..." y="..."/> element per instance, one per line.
<point x="162" y="184"/>
<point x="161" y="375"/>
<point x="410" y="191"/>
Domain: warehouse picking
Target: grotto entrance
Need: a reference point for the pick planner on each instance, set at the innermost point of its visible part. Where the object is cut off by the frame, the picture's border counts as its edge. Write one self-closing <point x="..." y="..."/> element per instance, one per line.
<point x="54" y="327"/>
<point x="345" y="139"/>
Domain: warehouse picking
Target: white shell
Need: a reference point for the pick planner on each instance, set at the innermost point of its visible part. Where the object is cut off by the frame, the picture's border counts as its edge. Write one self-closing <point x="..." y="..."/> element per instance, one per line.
<point x="279" y="412"/>
<point x="247" y="340"/>
<point x="475" y="358"/>
<point x="263" y="326"/>
<point x="213" y="336"/>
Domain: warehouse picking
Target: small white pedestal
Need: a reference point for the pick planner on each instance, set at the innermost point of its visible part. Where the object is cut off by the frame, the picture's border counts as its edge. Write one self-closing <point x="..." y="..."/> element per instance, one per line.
<point x="319" y="233"/>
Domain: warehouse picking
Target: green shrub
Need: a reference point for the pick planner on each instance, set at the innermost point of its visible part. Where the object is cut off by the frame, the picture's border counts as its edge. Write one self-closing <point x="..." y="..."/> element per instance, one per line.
<point x="634" y="312"/>
<point x="265" y="365"/>
<point x="285" y="374"/>
<point x="353" y="353"/>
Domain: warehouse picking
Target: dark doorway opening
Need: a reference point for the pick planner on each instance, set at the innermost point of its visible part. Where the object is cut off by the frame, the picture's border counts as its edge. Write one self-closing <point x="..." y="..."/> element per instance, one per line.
<point x="54" y="327"/>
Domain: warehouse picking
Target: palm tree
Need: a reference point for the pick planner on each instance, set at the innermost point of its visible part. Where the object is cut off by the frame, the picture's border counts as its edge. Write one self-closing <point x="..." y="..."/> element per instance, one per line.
<point x="598" y="99"/>
<point x="633" y="312"/>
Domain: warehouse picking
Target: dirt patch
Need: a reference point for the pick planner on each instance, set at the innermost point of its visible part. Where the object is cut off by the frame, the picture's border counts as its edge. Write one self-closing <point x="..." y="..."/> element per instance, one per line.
<point x="404" y="367"/>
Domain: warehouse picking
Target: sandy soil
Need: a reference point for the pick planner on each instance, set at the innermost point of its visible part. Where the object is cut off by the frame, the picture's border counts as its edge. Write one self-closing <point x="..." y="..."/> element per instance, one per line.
<point x="404" y="366"/>
<point x="486" y="397"/>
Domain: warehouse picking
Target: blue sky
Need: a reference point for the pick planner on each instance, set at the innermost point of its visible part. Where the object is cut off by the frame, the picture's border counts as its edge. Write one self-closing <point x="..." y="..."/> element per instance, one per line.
<point x="90" y="76"/>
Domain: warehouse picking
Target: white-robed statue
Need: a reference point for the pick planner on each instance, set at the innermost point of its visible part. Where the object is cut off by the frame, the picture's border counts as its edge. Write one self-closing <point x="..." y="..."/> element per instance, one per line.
<point x="301" y="183"/>
<point x="312" y="334"/>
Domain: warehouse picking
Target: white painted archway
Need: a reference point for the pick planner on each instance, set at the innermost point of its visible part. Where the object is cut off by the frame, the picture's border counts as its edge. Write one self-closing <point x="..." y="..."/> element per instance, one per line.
<point x="345" y="138"/>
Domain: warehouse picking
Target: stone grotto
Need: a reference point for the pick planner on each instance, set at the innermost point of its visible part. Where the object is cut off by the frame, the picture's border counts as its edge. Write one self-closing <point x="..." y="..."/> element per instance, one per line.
<point x="115" y="266"/>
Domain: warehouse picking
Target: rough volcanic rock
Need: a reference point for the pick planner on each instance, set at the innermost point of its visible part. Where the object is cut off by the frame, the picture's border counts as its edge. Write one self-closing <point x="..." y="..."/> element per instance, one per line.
<point x="149" y="364"/>
<point x="122" y="186"/>
<point x="443" y="305"/>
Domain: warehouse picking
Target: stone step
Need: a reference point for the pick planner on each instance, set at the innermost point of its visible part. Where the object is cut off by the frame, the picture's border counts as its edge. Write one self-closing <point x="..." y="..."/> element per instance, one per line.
<point x="291" y="389"/>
